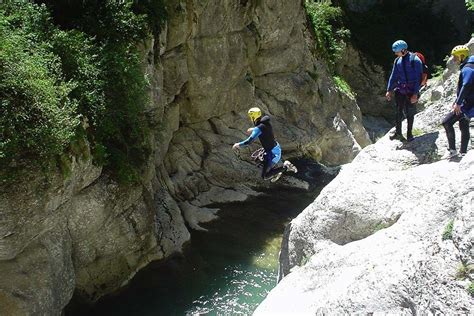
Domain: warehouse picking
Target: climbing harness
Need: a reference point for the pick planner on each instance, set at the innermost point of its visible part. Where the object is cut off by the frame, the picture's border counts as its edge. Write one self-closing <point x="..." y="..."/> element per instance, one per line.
<point x="258" y="156"/>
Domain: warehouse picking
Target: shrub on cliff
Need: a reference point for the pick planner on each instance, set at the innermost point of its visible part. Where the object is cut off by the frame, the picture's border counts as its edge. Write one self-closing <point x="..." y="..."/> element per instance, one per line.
<point x="78" y="61"/>
<point x="330" y="34"/>
<point x="37" y="117"/>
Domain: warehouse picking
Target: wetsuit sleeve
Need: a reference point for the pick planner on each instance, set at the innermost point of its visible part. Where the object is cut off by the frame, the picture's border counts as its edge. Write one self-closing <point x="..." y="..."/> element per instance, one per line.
<point x="418" y="74"/>
<point x="255" y="133"/>
<point x="467" y="76"/>
<point x="393" y="76"/>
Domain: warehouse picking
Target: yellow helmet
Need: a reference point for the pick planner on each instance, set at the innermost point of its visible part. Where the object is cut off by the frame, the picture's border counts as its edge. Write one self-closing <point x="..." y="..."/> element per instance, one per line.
<point x="254" y="114"/>
<point x="461" y="51"/>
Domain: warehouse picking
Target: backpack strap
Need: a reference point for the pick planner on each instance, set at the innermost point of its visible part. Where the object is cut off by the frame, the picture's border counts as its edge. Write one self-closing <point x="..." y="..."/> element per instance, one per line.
<point x="403" y="65"/>
<point x="405" y="69"/>
<point x="412" y="60"/>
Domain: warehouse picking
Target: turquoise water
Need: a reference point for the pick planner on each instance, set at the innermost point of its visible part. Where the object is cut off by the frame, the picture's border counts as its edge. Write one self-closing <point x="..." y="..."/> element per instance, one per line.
<point x="228" y="270"/>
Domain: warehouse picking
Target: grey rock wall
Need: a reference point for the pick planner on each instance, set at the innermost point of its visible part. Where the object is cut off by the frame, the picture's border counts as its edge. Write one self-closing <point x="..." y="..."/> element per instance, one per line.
<point x="213" y="61"/>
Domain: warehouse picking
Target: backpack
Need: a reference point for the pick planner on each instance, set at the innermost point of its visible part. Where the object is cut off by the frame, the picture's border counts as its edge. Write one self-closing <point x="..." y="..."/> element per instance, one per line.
<point x="426" y="71"/>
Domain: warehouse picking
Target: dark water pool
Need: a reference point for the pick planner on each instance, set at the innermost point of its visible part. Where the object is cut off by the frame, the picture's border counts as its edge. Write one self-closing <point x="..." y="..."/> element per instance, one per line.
<point x="226" y="271"/>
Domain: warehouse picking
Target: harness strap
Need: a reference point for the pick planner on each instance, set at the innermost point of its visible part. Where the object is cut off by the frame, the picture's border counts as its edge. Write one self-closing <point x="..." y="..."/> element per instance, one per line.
<point x="258" y="155"/>
<point x="405" y="69"/>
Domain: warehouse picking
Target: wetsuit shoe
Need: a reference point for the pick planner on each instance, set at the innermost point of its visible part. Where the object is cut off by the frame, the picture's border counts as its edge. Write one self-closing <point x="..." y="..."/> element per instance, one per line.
<point x="451" y="153"/>
<point x="290" y="167"/>
<point x="276" y="177"/>
<point x="397" y="137"/>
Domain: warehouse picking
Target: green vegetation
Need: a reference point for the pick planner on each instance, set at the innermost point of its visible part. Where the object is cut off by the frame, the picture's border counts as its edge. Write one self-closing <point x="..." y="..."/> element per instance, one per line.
<point x="72" y="71"/>
<point x="330" y="34"/>
<point x="344" y="87"/>
<point x="37" y="118"/>
<point x="470" y="289"/>
<point x="437" y="71"/>
<point x="417" y="132"/>
<point x="470" y="5"/>
<point x="464" y="270"/>
<point x="448" y="230"/>
<point x="381" y="226"/>
<point x="304" y="260"/>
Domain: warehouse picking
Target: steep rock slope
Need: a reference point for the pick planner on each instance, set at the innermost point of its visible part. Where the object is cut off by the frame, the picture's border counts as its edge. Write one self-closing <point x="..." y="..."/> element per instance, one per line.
<point x="372" y="240"/>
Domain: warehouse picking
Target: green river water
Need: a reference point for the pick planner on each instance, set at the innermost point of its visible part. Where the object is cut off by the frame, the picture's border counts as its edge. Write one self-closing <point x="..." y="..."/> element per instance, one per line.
<point x="228" y="270"/>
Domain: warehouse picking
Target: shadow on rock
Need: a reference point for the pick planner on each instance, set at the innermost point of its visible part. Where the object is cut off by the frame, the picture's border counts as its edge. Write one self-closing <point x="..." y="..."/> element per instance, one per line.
<point x="424" y="147"/>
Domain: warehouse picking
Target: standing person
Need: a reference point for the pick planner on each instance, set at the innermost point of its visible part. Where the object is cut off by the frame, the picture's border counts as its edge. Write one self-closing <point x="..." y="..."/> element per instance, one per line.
<point x="405" y="81"/>
<point x="264" y="131"/>
<point x="463" y="107"/>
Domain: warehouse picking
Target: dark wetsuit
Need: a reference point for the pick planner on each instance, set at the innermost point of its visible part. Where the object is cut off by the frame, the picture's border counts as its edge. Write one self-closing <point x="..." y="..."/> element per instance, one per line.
<point x="465" y="98"/>
<point x="264" y="131"/>
<point x="405" y="81"/>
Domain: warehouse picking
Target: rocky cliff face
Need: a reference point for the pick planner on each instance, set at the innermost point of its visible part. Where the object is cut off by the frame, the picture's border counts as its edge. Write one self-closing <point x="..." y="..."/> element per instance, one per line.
<point x="368" y="82"/>
<point x="372" y="242"/>
<point x="214" y="60"/>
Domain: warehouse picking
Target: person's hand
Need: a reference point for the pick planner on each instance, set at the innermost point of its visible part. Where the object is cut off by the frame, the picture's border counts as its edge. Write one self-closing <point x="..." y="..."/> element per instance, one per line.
<point x="236" y="146"/>
<point x="414" y="99"/>
<point x="457" y="108"/>
<point x="249" y="130"/>
<point x="388" y="95"/>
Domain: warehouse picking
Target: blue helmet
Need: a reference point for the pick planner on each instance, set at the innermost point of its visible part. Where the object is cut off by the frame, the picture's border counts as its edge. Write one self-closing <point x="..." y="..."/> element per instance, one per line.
<point x="399" y="46"/>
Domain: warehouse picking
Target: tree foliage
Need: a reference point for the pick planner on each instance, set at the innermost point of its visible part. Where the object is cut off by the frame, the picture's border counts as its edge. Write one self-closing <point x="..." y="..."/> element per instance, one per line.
<point x="67" y="62"/>
<point x="330" y="33"/>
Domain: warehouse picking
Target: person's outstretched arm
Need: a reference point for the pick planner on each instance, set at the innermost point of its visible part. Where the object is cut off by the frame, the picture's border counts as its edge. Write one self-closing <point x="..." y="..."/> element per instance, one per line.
<point x="253" y="136"/>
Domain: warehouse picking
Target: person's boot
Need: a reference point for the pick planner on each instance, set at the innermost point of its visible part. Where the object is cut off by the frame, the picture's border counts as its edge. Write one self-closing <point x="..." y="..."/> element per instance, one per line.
<point x="451" y="153"/>
<point x="289" y="166"/>
<point x="396" y="136"/>
<point x="276" y="177"/>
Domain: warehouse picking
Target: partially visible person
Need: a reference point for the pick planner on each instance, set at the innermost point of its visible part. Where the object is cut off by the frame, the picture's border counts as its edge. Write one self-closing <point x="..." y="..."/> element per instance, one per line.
<point x="463" y="106"/>
<point x="405" y="81"/>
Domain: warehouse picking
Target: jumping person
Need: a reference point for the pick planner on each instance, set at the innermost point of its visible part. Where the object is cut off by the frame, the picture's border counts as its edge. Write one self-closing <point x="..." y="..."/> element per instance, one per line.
<point x="264" y="131"/>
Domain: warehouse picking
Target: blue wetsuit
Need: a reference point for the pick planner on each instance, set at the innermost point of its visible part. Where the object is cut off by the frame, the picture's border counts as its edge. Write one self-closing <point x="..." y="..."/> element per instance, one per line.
<point x="405" y="80"/>
<point x="264" y="131"/>
<point x="406" y="75"/>
<point x="465" y="92"/>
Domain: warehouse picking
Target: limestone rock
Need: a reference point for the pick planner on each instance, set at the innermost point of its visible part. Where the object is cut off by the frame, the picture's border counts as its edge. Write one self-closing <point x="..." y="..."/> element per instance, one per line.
<point x="382" y="251"/>
<point x="212" y="75"/>
<point x="212" y="62"/>
<point x="368" y="82"/>
<point x="372" y="240"/>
